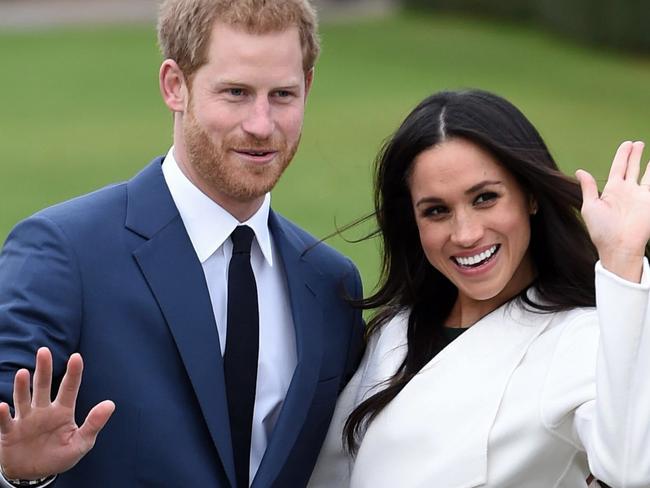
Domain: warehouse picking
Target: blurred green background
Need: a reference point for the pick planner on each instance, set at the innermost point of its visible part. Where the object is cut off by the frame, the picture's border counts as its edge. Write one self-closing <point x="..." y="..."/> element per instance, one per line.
<point x="80" y="108"/>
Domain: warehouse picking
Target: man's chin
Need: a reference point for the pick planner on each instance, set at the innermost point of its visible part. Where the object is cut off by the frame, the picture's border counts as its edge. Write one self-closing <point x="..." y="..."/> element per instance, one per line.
<point x="263" y="176"/>
<point x="252" y="188"/>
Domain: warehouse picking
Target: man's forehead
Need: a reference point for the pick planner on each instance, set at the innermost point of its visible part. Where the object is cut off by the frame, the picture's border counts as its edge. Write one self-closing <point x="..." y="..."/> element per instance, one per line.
<point x="223" y="29"/>
<point x="235" y="48"/>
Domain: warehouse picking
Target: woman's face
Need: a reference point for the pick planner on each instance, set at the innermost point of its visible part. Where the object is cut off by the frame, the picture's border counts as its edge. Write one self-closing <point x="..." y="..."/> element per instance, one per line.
<point x="473" y="221"/>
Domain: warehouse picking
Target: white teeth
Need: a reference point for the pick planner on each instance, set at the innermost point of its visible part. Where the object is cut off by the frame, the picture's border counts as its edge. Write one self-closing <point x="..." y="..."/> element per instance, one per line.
<point x="478" y="258"/>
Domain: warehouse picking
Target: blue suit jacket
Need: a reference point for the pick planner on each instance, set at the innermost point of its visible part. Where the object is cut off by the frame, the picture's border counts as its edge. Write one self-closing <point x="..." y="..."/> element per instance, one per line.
<point x="114" y="276"/>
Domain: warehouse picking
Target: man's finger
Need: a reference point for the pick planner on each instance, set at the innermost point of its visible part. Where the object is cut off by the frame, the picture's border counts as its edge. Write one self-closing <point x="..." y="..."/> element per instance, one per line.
<point x="22" y="395"/>
<point x="588" y="186"/>
<point x="619" y="165"/>
<point x="95" y="421"/>
<point x="69" y="387"/>
<point x="42" y="385"/>
<point x="634" y="162"/>
<point x="6" y="423"/>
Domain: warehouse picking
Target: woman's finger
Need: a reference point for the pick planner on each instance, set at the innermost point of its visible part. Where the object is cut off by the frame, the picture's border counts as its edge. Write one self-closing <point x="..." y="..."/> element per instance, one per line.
<point x="619" y="164"/>
<point x="587" y="185"/>
<point x="69" y="388"/>
<point x="22" y="395"/>
<point x="645" y="179"/>
<point x="42" y="385"/>
<point x="634" y="162"/>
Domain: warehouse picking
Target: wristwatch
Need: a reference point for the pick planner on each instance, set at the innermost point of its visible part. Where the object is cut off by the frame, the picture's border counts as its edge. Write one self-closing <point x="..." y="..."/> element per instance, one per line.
<point x="32" y="483"/>
<point x="25" y="483"/>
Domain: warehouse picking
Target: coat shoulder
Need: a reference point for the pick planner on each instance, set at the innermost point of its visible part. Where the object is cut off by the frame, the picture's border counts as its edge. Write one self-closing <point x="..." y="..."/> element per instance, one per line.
<point x="105" y="208"/>
<point x="87" y="209"/>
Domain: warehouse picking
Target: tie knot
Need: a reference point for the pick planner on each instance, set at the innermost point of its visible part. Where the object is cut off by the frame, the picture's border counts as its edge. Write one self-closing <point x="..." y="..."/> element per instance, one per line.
<point x="242" y="238"/>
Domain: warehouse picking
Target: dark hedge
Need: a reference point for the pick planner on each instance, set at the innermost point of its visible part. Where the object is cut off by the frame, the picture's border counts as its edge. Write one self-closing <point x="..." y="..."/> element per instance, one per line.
<point x="622" y="24"/>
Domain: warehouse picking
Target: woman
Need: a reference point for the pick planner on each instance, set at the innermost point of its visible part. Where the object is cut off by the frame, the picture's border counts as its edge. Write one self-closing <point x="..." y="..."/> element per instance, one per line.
<point x="481" y="235"/>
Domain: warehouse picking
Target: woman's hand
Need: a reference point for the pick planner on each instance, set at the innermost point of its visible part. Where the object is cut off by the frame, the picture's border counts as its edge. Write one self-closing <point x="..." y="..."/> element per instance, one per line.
<point x="618" y="220"/>
<point x="43" y="439"/>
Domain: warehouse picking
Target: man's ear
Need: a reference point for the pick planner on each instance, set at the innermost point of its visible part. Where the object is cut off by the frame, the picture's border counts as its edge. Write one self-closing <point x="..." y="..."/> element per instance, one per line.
<point x="173" y="86"/>
<point x="309" y="80"/>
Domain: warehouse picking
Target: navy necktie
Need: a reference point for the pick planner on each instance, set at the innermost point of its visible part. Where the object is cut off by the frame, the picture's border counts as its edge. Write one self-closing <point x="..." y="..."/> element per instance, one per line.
<point x="242" y="345"/>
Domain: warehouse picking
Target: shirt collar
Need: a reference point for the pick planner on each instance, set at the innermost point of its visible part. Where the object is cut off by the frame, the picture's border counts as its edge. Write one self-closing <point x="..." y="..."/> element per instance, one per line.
<point x="208" y="224"/>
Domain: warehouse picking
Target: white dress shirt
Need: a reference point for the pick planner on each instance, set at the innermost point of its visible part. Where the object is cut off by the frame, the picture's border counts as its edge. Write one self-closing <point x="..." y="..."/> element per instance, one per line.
<point x="209" y="227"/>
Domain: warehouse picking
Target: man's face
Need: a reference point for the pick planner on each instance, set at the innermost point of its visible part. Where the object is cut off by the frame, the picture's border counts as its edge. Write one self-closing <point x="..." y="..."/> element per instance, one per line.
<point x="244" y="116"/>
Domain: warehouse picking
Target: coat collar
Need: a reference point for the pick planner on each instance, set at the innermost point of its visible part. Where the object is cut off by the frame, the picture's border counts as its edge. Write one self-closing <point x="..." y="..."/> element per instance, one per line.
<point x="207" y="223"/>
<point x="485" y="357"/>
<point x="150" y="206"/>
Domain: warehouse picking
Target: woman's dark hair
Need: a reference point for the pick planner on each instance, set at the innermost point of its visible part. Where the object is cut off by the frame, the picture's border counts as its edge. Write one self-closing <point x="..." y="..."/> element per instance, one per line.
<point x="561" y="250"/>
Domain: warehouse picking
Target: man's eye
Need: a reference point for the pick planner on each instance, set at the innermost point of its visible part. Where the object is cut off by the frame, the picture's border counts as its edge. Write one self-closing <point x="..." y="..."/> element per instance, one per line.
<point x="485" y="197"/>
<point x="283" y="95"/>
<point x="235" y="92"/>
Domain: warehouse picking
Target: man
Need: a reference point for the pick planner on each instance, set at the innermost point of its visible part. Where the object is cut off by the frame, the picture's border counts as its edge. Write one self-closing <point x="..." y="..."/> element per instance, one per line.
<point x="218" y="330"/>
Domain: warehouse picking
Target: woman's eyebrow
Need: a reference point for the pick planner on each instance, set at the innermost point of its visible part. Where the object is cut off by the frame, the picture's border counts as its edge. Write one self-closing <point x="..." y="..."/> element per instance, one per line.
<point x="481" y="185"/>
<point x="475" y="188"/>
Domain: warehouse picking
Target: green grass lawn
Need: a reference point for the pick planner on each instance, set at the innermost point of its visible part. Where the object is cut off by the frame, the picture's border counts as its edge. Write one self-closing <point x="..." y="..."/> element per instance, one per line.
<point x="80" y="108"/>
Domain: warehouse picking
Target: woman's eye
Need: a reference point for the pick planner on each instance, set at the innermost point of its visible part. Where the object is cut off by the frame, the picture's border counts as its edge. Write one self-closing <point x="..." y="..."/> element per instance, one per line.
<point x="485" y="198"/>
<point x="436" y="211"/>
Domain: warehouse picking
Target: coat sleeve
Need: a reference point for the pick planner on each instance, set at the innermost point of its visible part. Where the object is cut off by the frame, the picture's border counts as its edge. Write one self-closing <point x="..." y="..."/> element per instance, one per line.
<point x="385" y="352"/>
<point x="40" y="299"/>
<point x="614" y="427"/>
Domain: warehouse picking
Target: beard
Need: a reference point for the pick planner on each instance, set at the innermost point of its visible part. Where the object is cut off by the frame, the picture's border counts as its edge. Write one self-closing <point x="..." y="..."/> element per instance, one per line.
<point x="225" y="173"/>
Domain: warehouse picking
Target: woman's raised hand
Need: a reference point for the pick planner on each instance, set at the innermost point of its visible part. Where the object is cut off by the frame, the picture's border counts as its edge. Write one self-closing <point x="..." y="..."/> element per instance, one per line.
<point x="42" y="438"/>
<point x="618" y="220"/>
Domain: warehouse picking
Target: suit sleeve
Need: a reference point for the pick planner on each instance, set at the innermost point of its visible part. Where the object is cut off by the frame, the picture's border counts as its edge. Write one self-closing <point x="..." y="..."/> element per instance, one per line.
<point x="40" y="299"/>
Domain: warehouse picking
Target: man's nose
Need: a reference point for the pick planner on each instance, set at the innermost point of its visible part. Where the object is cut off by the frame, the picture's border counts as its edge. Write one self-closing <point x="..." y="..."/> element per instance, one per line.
<point x="259" y="121"/>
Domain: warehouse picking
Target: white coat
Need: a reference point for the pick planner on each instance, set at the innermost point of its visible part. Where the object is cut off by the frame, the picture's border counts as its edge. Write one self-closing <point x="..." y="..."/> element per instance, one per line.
<point x="521" y="399"/>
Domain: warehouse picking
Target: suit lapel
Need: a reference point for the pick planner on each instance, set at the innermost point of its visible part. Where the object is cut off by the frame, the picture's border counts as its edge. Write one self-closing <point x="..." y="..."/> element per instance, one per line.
<point x="303" y="284"/>
<point x="174" y="274"/>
